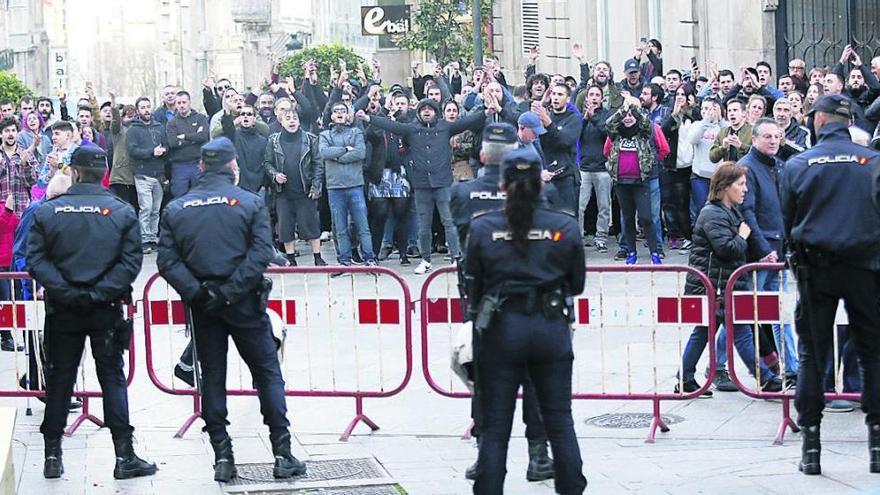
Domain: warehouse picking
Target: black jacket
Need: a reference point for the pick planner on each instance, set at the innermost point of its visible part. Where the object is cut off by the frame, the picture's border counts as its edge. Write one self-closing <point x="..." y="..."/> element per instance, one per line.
<point x="86" y="241"/>
<point x="555" y="258"/>
<point x="826" y="198"/>
<point x="592" y="142"/>
<point x="250" y="153"/>
<point x="216" y="233"/>
<point x="559" y="143"/>
<point x="195" y="131"/>
<point x="311" y="167"/>
<point x="140" y="140"/>
<point x="430" y="156"/>
<point x="762" y="208"/>
<point x="718" y="249"/>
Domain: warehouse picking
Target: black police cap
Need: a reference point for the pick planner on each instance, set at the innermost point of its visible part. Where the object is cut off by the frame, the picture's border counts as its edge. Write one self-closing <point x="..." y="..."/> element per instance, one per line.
<point x="219" y="151"/>
<point x="499" y="132"/>
<point x="525" y="159"/>
<point x="89" y="156"/>
<point x="834" y="105"/>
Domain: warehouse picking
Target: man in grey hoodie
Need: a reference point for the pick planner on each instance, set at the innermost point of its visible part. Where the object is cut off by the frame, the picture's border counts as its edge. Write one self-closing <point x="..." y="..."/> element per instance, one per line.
<point x="344" y="151"/>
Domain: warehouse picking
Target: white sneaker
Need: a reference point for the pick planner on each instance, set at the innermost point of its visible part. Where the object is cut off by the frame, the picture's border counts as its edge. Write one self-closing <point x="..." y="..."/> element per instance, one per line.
<point x="325" y="236"/>
<point x="423" y="268"/>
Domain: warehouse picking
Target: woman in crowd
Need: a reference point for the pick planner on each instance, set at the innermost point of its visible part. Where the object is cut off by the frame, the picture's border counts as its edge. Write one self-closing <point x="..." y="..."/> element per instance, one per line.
<point x="720" y="245"/>
<point x="675" y="178"/>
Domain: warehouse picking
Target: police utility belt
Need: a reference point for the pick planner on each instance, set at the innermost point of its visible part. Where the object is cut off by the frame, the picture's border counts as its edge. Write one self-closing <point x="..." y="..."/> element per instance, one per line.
<point x="805" y="255"/>
<point x="552" y="303"/>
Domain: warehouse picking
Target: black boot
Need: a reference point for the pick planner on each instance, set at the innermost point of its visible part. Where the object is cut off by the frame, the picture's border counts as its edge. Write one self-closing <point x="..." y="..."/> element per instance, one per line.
<point x="540" y="464"/>
<point x="286" y="465"/>
<point x="810" y="450"/>
<point x="129" y="465"/>
<point x="874" y="448"/>
<point x="53" y="468"/>
<point x="224" y="462"/>
<point x="471" y="472"/>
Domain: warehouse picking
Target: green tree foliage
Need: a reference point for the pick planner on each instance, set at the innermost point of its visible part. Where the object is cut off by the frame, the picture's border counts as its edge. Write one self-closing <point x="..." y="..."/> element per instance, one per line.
<point x="440" y="30"/>
<point x="12" y="88"/>
<point x="325" y="57"/>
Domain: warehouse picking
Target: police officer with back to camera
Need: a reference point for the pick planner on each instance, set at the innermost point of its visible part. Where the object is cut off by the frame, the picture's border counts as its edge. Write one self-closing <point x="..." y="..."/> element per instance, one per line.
<point x="471" y="198"/>
<point x="833" y="231"/>
<point x="523" y="266"/>
<point x="85" y="249"/>
<point x="215" y="244"/>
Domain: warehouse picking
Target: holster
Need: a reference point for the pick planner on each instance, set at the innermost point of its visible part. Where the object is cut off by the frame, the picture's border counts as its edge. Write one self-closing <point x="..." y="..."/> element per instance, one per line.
<point x="489" y="305"/>
<point x="263" y="290"/>
<point x="122" y="331"/>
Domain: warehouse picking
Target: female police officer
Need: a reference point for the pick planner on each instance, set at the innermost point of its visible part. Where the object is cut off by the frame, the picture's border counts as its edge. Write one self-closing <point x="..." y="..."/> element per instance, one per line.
<point x="523" y="264"/>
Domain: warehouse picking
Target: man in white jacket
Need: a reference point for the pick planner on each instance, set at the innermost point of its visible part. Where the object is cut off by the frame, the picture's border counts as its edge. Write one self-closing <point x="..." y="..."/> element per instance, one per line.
<point x="702" y="134"/>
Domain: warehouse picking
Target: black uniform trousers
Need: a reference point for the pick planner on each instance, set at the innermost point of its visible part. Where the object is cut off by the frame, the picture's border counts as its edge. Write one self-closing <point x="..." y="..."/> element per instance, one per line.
<point x="514" y="346"/>
<point x="64" y="340"/>
<point x="820" y="289"/>
<point x="250" y="329"/>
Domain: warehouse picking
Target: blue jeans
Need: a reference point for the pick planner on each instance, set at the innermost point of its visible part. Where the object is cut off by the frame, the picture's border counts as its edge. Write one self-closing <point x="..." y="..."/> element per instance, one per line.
<point x="655" y="211"/>
<point x="350" y="202"/>
<point x="699" y="195"/>
<point x="426" y="200"/>
<point x="184" y="176"/>
<point x="515" y="345"/>
<point x="742" y="341"/>
<point x="412" y="228"/>
<point x="846" y="353"/>
<point x="149" y="191"/>
<point x="768" y="280"/>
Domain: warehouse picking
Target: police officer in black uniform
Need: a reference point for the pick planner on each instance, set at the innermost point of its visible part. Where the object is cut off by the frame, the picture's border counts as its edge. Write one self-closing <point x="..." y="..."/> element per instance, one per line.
<point x="214" y="246"/>
<point x="833" y="230"/>
<point x="85" y="249"/>
<point x="523" y="266"/>
<point x="469" y="198"/>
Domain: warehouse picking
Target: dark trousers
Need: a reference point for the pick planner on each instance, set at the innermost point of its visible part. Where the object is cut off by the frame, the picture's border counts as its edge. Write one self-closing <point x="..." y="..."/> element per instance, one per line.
<point x="568" y="188"/>
<point x="184" y="175"/>
<point x="127" y="193"/>
<point x="820" y="289"/>
<point x="675" y="196"/>
<point x="249" y="328"/>
<point x="379" y="209"/>
<point x="517" y="345"/>
<point x="531" y="414"/>
<point x="64" y="341"/>
<point x="635" y="201"/>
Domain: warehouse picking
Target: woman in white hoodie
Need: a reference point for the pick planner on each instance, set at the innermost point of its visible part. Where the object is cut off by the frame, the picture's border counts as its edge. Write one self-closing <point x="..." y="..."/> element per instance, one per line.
<point x="701" y="135"/>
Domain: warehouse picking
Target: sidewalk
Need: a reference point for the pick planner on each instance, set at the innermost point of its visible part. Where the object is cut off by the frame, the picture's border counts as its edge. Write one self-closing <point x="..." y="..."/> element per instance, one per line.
<point x="719" y="445"/>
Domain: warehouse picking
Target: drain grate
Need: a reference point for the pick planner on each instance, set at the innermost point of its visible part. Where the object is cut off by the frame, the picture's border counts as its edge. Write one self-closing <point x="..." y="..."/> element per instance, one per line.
<point x="354" y="490"/>
<point x="630" y="420"/>
<point x="321" y="470"/>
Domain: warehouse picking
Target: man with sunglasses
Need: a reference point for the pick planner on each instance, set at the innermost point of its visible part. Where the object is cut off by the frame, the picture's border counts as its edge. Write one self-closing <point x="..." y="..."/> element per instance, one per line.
<point x="185" y="132"/>
<point x="212" y="93"/>
<point x="250" y="148"/>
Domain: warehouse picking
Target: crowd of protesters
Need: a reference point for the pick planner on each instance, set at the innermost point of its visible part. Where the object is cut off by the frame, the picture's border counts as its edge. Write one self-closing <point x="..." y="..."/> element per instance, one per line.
<point x="372" y="168"/>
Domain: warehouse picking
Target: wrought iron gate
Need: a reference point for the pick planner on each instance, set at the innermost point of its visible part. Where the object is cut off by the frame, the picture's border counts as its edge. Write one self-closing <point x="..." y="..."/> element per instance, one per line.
<point x="817" y="30"/>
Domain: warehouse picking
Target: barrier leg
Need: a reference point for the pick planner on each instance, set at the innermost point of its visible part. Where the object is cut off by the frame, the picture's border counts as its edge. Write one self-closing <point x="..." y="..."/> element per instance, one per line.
<point x="656" y="422"/>
<point x="197" y="413"/>
<point x="786" y="423"/>
<point x="359" y="416"/>
<point x="83" y="415"/>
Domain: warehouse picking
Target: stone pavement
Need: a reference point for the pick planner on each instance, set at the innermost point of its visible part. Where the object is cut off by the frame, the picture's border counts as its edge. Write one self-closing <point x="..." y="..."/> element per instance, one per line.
<point x="719" y="445"/>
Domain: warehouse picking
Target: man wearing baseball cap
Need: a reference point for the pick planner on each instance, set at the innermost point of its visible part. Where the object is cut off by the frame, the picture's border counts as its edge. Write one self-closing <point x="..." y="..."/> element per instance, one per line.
<point x="633" y="81"/>
<point x="84" y="248"/>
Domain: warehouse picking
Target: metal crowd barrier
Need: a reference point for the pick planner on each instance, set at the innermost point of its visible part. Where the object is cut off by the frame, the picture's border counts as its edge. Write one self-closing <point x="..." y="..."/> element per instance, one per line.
<point x="341" y="339"/>
<point x="623" y="311"/>
<point x="756" y="307"/>
<point x="24" y="317"/>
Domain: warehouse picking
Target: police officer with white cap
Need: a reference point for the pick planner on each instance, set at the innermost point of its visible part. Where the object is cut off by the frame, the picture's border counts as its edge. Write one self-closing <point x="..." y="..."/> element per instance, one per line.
<point x="215" y="244"/>
<point x="85" y="249"/>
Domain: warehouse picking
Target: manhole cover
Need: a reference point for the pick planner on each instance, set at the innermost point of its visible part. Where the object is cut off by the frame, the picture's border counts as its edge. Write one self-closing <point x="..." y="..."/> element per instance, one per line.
<point x="353" y="490"/>
<point x="323" y="470"/>
<point x="630" y="420"/>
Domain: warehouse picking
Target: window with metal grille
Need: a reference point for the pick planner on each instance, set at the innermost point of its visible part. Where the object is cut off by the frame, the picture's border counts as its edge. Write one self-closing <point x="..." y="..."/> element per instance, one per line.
<point x="530" y="21"/>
